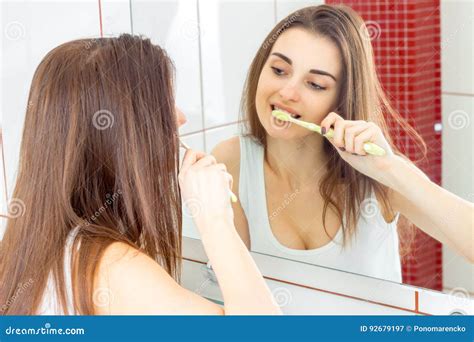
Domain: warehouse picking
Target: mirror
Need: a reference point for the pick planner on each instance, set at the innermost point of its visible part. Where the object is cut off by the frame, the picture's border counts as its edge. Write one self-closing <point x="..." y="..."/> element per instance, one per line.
<point x="280" y="206"/>
<point x="279" y="185"/>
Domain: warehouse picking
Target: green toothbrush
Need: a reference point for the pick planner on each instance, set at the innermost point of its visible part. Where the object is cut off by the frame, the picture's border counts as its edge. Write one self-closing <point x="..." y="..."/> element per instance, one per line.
<point x="233" y="197"/>
<point x="369" y="147"/>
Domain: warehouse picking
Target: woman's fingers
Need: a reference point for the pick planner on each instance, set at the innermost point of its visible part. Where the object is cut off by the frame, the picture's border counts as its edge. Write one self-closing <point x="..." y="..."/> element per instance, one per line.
<point x="366" y="136"/>
<point x="350" y="133"/>
<point x="335" y="120"/>
<point x="190" y="158"/>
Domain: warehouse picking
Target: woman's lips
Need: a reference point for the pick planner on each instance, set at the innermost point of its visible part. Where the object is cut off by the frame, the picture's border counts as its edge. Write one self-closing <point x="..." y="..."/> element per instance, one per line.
<point x="275" y="107"/>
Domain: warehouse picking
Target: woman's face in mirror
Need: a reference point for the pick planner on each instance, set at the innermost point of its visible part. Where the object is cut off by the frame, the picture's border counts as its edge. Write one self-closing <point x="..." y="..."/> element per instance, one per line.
<point x="301" y="76"/>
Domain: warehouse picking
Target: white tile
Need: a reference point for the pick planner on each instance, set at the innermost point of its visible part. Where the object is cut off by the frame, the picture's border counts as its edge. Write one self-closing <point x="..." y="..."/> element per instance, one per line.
<point x="217" y="135"/>
<point x="286" y="7"/>
<point x="174" y="26"/>
<point x="116" y="17"/>
<point x="437" y="303"/>
<point x="457" y="53"/>
<point x="29" y="31"/>
<point x="457" y="171"/>
<point x="458" y="145"/>
<point x="231" y="33"/>
<point x="196" y="142"/>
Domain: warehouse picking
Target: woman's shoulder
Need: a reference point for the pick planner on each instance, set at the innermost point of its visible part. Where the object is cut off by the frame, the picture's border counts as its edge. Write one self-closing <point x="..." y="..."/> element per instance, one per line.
<point x="128" y="280"/>
<point x="228" y="152"/>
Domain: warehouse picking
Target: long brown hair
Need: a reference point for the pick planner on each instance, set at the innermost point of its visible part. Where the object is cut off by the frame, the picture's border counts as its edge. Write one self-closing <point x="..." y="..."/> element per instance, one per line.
<point x="99" y="152"/>
<point x="361" y="97"/>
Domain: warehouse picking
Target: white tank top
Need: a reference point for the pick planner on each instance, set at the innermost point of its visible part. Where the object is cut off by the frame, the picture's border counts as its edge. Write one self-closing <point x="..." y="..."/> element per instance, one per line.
<point x="50" y="304"/>
<point x="373" y="250"/>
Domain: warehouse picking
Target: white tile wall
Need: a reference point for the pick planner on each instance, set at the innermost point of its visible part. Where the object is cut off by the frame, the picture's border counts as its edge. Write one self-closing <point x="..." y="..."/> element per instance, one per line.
<point x="230" y="38"/>
<point x="216" y="135"/>
<point x="457" y="176"/>
<point x="285" y="7"/>
<point x="116" y="17"/>
<point x="29" y="30"/>
<point x="457" y="55"/>
<point x="174" y="26"/>
<point x="457" y="27"/>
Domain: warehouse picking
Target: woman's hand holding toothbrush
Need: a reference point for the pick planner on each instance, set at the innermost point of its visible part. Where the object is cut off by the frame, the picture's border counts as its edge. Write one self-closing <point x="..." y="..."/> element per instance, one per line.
<point x="349" y="137"/>
<point x="205" y="188"/>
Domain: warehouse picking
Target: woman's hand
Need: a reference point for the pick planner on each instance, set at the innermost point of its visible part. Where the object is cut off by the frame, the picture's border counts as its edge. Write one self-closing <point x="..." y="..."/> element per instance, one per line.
<point x="349" y="138"/>
<point x="205" y="186"/>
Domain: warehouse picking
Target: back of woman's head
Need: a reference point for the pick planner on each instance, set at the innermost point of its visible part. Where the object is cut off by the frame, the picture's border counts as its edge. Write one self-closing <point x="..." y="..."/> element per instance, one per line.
<point x="99" y="151"/>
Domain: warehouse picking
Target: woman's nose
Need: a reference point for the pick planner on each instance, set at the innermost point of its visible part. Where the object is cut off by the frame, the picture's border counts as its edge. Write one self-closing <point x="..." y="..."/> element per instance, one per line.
<point x="290" y="92"/>
<point x="181" y="117"/>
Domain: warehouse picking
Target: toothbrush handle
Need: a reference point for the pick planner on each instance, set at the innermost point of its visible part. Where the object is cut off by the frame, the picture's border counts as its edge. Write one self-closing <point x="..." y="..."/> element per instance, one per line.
<point x="233" y="197"/>
<point x="373" y="149"/>
<point x="369" y="147"/>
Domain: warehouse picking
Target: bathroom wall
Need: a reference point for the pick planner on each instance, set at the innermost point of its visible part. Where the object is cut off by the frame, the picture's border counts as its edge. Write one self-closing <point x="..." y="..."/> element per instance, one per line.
<point x="457" y="56"/>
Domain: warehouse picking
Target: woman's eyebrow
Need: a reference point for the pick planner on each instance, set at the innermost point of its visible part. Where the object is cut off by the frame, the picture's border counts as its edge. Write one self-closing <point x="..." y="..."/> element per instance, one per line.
<point x="312" y="71"/>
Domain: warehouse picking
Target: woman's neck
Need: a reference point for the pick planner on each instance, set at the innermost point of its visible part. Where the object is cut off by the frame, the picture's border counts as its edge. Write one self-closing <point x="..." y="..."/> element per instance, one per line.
<point x="297" y="162"/>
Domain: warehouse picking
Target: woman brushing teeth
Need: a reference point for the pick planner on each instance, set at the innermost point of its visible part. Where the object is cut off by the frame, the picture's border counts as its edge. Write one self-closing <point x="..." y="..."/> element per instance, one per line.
<point x="326" y="200"/>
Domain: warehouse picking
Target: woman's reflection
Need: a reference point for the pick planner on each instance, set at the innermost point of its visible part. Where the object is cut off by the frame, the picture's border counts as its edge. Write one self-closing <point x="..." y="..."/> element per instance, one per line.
<point x="326" y="201"/>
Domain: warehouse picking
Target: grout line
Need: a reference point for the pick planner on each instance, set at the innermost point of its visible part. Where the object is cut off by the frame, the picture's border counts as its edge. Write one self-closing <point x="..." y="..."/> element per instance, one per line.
<point x="203" y="112"/>
<point x="131" y="15"/>
<point x="457" y="94"/>
<point x="417" y="301"/>
<point x="207" y="129"/>
<point x="100" y="19"/>
<point x="275" y="12"/>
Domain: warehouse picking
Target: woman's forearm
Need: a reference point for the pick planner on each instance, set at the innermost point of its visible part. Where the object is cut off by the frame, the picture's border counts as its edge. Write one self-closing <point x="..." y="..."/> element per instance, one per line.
<point x="243" y="288"/>
<point x="438" y="212"/>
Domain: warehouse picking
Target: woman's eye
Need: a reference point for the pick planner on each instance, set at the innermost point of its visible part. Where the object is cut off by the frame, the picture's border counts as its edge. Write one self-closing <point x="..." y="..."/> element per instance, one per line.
<point x="316" y="86"/>
<point x="277" y="71"/>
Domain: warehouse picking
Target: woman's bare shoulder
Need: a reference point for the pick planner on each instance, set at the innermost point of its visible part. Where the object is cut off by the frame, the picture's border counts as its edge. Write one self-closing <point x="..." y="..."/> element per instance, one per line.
<point x="130" y="282"/>
<point x="228" y="152"/>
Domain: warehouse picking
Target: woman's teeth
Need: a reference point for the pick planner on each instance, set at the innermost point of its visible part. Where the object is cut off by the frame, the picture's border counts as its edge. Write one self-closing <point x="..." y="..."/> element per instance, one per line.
<point x="296" y="116"/>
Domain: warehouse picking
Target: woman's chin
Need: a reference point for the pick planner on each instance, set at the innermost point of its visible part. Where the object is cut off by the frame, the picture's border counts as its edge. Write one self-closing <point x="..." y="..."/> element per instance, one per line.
<point x="285" y="133"/>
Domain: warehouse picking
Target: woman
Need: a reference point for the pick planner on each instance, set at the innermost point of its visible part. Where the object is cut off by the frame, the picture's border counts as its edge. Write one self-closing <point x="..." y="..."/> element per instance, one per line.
<point x="100" y="226"/>
<point x="325" y="201"/>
